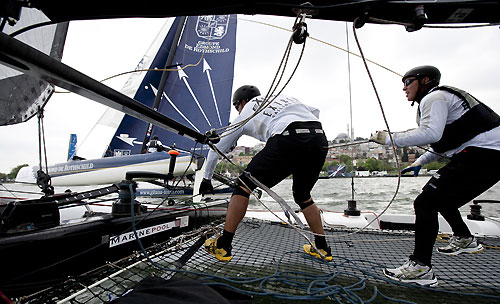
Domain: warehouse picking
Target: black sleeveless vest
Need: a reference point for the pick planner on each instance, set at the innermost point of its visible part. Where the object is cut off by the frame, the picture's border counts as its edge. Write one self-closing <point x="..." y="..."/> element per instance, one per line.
<point x="478" y="119"/>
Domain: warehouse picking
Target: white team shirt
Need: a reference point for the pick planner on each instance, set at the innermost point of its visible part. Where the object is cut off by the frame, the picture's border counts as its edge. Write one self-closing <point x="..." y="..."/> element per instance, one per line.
<point x="272" y="120"/>
<point x="437" y="109"/>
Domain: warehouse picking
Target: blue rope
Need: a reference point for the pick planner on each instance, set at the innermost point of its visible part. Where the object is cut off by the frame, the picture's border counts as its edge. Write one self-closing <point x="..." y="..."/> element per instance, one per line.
<point x="314" y="287"/>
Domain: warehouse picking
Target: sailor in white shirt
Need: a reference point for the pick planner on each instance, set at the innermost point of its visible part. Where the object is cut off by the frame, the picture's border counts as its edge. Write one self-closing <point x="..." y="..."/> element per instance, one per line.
<point x="456" y="125"/>
<point x="295" y="145"/>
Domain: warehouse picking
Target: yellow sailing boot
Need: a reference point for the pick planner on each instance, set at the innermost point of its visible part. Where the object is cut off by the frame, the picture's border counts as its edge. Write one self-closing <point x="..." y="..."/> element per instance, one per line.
<point x="222" y="254"/>
<point x="327" y="253"/>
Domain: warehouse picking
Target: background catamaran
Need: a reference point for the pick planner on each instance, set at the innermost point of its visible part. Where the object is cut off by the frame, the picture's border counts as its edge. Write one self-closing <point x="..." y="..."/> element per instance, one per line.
<point x="304" y="279"/>
<point x="197" y="97"/>
<point x="68" y="235"/>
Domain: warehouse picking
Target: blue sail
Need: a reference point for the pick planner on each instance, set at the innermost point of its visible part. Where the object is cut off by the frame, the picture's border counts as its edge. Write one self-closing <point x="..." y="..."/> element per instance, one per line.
<point x="197" y="94"/>
<point x="72" y="146"/>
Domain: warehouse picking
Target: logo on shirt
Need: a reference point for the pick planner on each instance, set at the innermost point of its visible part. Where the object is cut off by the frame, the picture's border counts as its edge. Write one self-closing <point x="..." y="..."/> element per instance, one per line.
<point x="275" y="107"/>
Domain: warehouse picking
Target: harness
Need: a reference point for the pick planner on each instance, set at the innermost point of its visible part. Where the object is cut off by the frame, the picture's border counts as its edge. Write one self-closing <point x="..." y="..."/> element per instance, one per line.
<point x="303" y="127"/>
<point x="478" y="119"/>
<point x="302" y="131"/>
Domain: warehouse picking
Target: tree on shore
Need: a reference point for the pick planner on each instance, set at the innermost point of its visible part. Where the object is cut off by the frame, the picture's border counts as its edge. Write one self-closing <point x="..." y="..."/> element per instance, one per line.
<point x="372" y="164"/>
<point x="14" y="171"/>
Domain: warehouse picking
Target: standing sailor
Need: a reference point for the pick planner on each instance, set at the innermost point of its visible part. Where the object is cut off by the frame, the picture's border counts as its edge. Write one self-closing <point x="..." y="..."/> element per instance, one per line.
<point x="154" y="145"/>
<point x="295" y="144"/>
<point x="456" y="124"/>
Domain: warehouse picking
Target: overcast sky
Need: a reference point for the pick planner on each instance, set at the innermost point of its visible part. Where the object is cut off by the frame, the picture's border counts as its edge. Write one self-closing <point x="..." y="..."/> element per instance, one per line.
<point x="467" y="58"/>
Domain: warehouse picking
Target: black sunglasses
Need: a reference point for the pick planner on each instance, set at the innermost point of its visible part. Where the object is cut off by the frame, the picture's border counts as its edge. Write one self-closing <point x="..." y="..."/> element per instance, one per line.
<point x="408" y="81"/>
<point x="236" y="104"/>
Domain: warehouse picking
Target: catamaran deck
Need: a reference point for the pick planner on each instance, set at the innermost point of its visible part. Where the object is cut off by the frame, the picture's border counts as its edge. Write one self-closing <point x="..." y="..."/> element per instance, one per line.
<point x="269" y="264"/>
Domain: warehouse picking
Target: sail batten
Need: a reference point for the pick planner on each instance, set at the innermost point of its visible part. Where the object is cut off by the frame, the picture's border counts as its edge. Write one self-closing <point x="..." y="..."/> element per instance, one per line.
<point x="22" y="95"/>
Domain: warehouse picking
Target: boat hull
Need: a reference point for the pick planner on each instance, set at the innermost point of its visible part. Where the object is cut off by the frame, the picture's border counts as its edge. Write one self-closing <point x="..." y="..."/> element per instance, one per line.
<point x="108" y="170"/>
<point x="40" y="259"/>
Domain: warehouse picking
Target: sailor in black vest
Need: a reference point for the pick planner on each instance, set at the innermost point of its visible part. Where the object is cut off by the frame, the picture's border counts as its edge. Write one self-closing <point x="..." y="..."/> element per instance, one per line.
<point x="155" y="145"/>
<point x="459" y="126"/>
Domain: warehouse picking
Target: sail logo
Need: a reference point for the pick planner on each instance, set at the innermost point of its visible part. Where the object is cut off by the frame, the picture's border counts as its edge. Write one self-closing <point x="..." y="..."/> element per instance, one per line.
<point x="128" y="140"/>
<point x="120" y="239"/>
<point x="70" y="168"/>
<point x="212" y="26"/>
<point x="121" y="152"/>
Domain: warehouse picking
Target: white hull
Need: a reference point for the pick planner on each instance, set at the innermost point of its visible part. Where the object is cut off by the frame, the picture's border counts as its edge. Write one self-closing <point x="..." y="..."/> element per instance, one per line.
<point x="108" y="175"/>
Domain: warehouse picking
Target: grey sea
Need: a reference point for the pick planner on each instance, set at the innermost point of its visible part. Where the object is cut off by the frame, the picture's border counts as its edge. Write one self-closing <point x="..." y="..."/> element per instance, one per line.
<point x="372" y="194"/>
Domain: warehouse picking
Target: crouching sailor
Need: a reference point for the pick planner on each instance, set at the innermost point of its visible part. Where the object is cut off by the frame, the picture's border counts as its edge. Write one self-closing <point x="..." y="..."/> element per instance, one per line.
<point x="456" y="124"/>
<point x="291" y="131"/>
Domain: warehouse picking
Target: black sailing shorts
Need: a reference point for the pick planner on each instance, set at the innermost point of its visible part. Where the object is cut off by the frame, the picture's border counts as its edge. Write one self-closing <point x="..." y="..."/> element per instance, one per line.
<point x="301" y="155"/>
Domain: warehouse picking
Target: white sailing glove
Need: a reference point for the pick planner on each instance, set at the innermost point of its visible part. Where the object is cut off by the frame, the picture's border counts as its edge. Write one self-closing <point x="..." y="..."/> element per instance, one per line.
<point x="379" y="137"/>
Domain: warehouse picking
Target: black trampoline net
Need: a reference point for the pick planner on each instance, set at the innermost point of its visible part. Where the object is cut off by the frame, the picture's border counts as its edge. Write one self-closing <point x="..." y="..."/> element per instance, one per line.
<point x="269" y="265"/>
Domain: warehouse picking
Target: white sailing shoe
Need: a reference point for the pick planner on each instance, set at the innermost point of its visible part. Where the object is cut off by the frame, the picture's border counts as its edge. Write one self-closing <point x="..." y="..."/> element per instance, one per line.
<point x="412" y="272"/>
<point x="460" y="245"/>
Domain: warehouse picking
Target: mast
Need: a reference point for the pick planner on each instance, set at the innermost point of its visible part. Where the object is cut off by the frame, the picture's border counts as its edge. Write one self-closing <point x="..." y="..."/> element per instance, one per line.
<point x="164" y="77"/>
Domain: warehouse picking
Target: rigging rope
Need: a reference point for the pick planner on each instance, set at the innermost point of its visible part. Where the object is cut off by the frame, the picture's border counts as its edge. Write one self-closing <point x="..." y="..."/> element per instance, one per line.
<point x="351" y="134"/>
<point x="207" y="47"/>
<point x="267" y="102"/>
<point x="131" y="228"/>
<point x="333" y="280"/>
<point x="271" y="93"/>
<point x="254" y="21"/>
<point x="274" y="86"/>
<point x="268" y="99"/>
<point x="385" y="121"/>
<point x="12" y="191"/>
<point x="312" y="288"/>
<point x="43" y="178"/>
<point x="276" y="197"/>
<point x="386" y="124"/>
<point x="326" y="43"/>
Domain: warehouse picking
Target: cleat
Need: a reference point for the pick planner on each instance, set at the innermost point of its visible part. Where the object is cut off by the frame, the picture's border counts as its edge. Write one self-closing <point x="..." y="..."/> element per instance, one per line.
<point x="327" y="253"/>
<point x="412" y="272"/>
<point x="460" y="245"/>
<point x="221" y="254"/>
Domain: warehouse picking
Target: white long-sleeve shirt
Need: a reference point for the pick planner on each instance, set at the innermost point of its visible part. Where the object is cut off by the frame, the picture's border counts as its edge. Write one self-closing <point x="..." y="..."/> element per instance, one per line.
<point x="437" y="109"/>
<point x="272" y="120"/>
